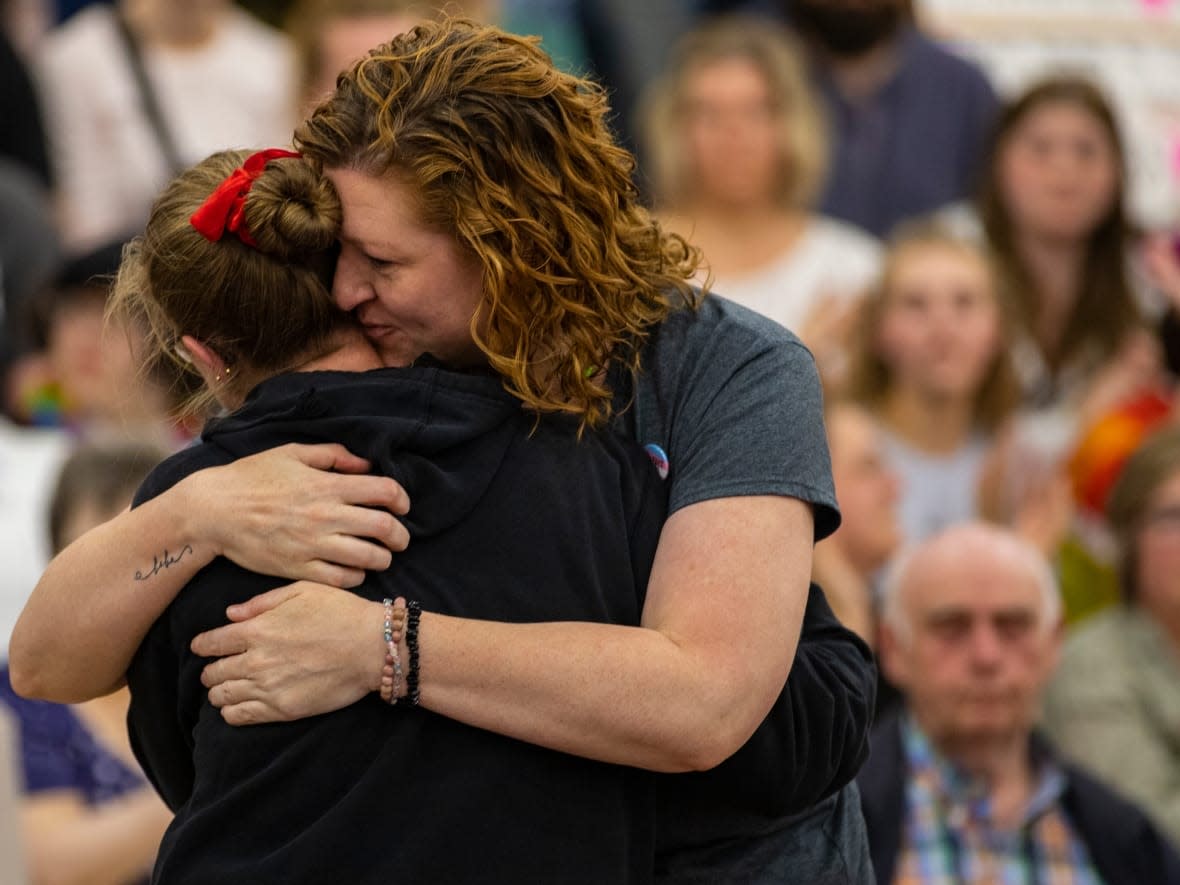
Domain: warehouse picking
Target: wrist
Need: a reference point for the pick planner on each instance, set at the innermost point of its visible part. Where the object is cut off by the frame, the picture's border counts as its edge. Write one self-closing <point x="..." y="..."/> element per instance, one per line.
<point x="188" y="509"/>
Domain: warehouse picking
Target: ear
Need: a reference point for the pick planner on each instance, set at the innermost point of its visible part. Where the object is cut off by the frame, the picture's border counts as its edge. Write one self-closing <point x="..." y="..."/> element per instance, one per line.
<point x="207" y="361"/>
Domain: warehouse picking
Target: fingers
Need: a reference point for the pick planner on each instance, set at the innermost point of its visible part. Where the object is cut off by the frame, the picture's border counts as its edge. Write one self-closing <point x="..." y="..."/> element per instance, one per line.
<point x="263" y="602"/>
<point x="227" y="640"/>
<point x="252" y="713"/>
<point x="328" y="456"/>
<point x="368" y="491"/>
<point x="364" y="522"/>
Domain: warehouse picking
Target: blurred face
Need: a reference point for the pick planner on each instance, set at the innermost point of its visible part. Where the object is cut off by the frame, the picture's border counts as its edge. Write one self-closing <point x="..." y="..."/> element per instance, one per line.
<point x="346" y="39"/>
<point x="92" y="360"/>
<point x="412" y="287"/>
<point x="978" y="653"/>
<point x="848" y="27"/>
<point x="731" y="128"/>
<point x="1158" y="545"/>
<point x="866" y="490"/>
<point x="1058" y="172"/>
<point x="940" y="323"/>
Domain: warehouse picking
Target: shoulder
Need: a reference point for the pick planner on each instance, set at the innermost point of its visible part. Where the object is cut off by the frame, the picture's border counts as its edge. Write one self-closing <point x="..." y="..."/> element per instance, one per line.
<point x="719" y="325"/>
<point x="89" y="37"/>
<point x="1097" y="643"/>
<point x="1126" y="845"/>
<point x="244" y="33"/>
<point x="844" y="248"/>
<point x="943" y="69"/>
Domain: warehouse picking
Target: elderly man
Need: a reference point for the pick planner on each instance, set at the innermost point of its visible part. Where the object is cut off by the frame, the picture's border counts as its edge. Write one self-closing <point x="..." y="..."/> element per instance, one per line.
<point x="959" y="788"/>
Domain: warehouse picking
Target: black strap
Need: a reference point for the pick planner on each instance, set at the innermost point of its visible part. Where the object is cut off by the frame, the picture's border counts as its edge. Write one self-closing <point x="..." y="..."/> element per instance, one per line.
<point x="147" y="94"/>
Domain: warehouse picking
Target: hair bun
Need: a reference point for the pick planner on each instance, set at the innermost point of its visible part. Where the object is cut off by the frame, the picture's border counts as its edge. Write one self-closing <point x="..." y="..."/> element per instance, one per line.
<point x="292" y="212"/>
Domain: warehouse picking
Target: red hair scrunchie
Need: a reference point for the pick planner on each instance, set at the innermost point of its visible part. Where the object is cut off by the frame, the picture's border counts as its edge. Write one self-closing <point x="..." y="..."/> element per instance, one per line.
<point x="225" y="208"/>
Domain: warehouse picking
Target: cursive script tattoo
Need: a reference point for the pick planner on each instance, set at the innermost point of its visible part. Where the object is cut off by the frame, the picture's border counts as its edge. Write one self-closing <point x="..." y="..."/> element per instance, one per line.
<point x="158" y="563"/>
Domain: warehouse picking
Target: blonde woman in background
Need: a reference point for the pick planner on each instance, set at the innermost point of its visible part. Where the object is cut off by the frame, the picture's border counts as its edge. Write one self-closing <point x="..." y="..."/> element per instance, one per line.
<point x="737" y="149"/>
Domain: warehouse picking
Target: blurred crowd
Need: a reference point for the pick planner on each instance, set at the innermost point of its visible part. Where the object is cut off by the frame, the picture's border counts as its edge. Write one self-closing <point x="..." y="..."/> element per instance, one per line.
<point x="998" y="339"/>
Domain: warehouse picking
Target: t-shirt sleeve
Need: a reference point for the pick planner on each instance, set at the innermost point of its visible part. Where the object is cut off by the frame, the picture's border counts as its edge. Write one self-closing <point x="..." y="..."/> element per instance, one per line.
<point x="738" y="400"/>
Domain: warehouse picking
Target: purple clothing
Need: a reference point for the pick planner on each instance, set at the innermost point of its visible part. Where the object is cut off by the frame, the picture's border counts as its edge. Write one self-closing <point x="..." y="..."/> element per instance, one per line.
<point x="58" y="752"/>
<point x="915" y="145"/>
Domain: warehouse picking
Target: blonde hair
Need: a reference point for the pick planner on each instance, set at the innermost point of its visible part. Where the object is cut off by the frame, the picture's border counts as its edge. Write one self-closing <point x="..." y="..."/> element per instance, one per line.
<point x="871" y="378"/>
<point x="263" y="310"/>
<point x="801" y="126"/>
<point x="514" y="159"/>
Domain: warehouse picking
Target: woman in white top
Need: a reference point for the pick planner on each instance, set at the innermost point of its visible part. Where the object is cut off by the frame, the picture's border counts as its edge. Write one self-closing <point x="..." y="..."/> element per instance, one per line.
<point x="736" y="148"/>
<point x="217" y="76"/>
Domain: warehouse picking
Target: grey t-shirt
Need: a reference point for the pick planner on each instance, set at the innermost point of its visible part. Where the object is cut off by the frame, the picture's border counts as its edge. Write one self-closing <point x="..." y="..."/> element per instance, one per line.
<point x="733" y="399"/>
<point x="734" y="402"/>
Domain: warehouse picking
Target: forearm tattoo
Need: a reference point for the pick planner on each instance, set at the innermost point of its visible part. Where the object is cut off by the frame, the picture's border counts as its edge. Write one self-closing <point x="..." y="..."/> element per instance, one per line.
<point x="160" y="563"/>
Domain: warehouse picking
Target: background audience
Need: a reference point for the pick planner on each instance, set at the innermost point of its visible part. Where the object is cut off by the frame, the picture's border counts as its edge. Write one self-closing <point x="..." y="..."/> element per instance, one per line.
<point x="736" y="150"/>
<point x="87" y="813"/>
<point x="930" y="361"/>
<point x="1114" y="704"/>
<point x="908" y="117"/>
<point x="136" y="90"/>
<point x="847" y="563"/>
<point x="960" y="787"/>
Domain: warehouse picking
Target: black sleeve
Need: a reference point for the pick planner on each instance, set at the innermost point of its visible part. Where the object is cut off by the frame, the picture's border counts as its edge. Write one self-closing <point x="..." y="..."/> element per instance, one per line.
<point x="811" y="744"/>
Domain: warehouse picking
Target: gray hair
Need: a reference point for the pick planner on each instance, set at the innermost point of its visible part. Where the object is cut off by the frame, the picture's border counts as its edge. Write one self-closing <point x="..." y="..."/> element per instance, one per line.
<point x="1003" y="543"/>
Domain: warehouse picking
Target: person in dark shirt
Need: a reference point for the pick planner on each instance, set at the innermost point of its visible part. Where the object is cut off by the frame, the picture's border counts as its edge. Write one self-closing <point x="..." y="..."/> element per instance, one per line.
<point x="909" y="119"/>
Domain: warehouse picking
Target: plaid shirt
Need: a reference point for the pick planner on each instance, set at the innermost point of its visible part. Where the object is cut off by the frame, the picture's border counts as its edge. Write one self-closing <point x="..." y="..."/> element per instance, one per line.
<point x="950" y="839"/>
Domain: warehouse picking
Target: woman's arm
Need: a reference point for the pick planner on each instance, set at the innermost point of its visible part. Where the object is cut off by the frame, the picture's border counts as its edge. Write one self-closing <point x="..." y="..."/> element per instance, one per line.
<point x="99" y="596"/>
<point x="69" y="843"/>
<point x="681" y="692"/>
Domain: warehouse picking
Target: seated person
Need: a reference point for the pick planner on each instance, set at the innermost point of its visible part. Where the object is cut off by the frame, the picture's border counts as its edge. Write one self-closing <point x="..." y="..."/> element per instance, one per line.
<point x="960" y="787"/>
<point x="86" y="812"/>
<point x="1114" y="704"/>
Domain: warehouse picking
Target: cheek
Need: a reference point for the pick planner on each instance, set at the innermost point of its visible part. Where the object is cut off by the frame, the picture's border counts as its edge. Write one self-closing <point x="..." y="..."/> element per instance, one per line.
<point x="1159" y="563"/>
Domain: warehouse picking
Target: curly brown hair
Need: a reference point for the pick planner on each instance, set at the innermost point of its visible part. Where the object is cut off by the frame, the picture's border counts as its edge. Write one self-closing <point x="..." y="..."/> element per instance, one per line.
<point x="263" y="309"/>
<point x="515" y="160"/>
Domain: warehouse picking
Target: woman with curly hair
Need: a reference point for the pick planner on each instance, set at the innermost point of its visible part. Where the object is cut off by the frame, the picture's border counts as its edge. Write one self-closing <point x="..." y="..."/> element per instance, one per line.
<point x="231" y="275"/>
<point x="490" y="221"/>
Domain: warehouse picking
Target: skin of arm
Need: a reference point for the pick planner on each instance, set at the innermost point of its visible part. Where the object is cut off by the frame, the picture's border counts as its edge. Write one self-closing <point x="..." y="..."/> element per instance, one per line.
<point x="99" y="596"/>
<point x="681" y="692"/>
<point x="69" y="843"/>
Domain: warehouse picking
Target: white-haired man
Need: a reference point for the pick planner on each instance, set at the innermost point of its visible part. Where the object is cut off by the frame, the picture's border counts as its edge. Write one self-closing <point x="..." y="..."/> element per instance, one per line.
<point x="959" y="788"/>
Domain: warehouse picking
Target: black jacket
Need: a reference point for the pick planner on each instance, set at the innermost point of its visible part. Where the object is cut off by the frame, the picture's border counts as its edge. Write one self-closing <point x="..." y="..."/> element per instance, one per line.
<point x="509" y="523"/>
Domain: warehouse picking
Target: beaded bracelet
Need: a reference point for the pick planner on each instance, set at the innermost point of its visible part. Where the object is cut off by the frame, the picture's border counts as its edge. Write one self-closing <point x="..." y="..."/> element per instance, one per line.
<point x="391" y="673"/>
<point x="413" y="614"/>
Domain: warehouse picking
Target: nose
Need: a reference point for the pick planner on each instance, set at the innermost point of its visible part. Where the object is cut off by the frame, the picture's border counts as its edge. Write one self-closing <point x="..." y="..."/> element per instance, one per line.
<point x="986" y="649"/>
<point x="350" y="286"/>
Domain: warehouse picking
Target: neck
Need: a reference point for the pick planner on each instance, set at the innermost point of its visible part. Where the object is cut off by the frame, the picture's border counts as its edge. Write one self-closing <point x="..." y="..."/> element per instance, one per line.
<point x="349" y="351"/>
<point x="739" y="219"/>
<point x="936" y="426"/>
<point x="1055" y="267"/>
<point x="178" y="25"/>
<point x="860" y="77"/>
<point x="1001" y="764"/>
